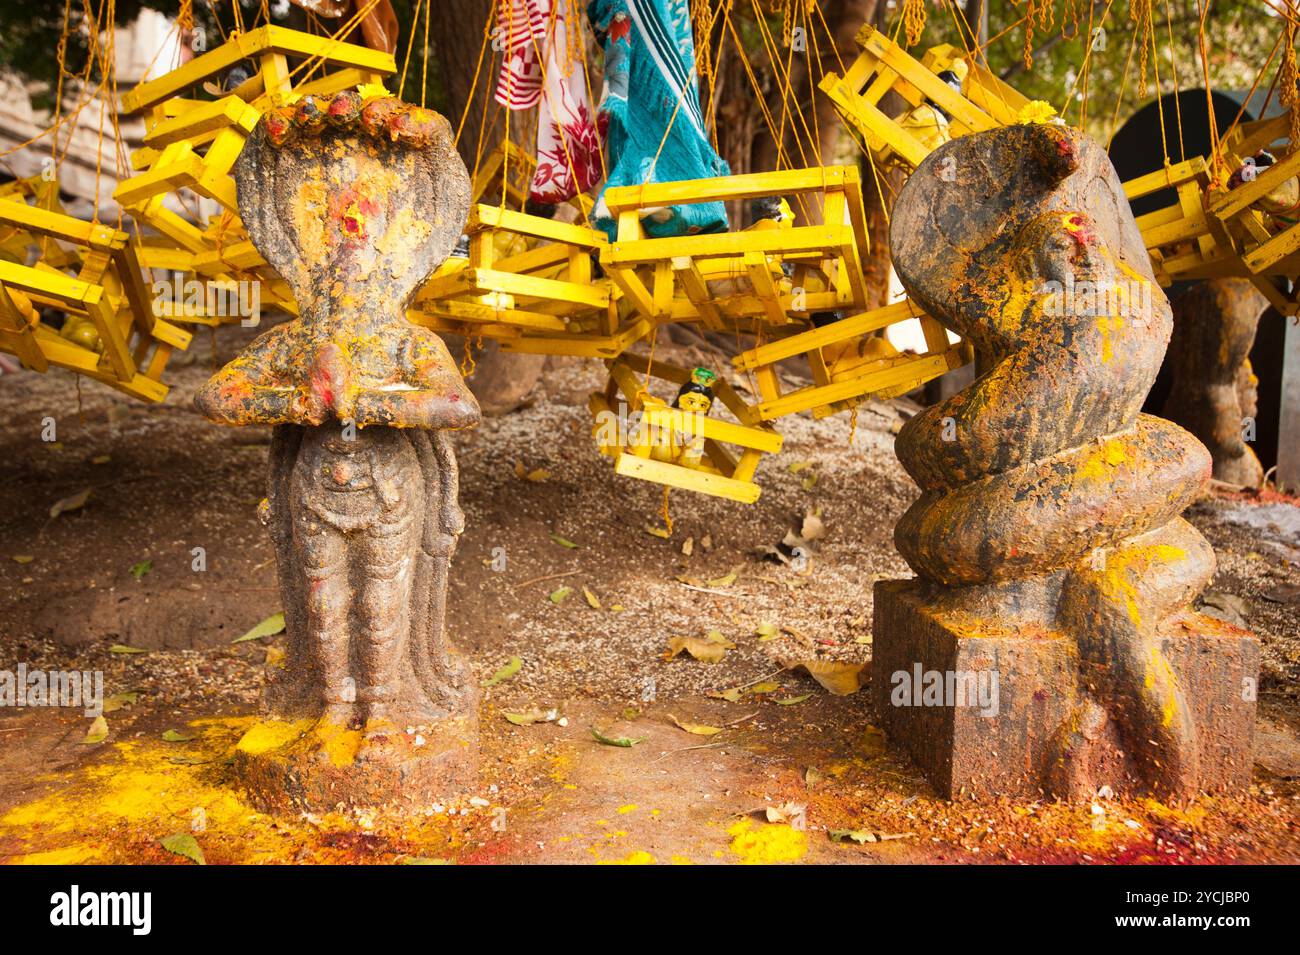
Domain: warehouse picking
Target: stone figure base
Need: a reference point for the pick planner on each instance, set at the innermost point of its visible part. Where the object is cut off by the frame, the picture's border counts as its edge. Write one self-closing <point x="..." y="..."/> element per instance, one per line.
<point x="1002" y="717"/>
<point x="364" y="526"/>
<point x="320" y="765"/>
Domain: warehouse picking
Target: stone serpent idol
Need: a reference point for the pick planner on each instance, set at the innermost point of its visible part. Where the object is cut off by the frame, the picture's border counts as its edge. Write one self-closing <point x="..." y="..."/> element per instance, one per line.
<point x="1050" y="554"/>
<point x="355" y="203"/>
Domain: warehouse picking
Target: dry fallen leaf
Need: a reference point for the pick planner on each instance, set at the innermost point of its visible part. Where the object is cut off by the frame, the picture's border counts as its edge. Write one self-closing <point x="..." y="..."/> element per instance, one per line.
<point x="731" y="695"/>
<point x="183" y="844"/>
<point x="688" y="546"/>
<point x="119" y="700"/>
<point x="717" y="636"/>
<point x="791" y="813"/>
<point x="70" y="503"/>
<point x="534" y="715"/>
<point x="766" y="631"/>
<point x="663" y="532"/>
<point x="559" y="594"/>
<point x="860" y="836"/>
<point x="699" y="729"/>
<point x="702" y="649"/>
<point x="592" y="600"/>
<point x="841" y="679"/>
<point x="813" y="527"/>
<point x="98" y="731"/>
<point x="792" y="700"/>
<point x="536" y="475"/>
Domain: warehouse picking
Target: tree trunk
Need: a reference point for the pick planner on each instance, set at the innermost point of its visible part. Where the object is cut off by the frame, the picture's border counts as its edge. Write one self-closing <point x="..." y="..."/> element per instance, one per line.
<point x="456" y="35"/>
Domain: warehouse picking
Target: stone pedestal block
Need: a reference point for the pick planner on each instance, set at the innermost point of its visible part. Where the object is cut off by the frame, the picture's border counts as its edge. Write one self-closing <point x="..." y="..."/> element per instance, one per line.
<point x="982" y="710"/>
<point x="312" y="765"/>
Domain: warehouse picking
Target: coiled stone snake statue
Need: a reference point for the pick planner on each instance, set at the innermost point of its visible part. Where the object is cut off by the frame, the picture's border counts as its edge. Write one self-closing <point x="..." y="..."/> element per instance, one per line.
<point x="1049" y="504"/>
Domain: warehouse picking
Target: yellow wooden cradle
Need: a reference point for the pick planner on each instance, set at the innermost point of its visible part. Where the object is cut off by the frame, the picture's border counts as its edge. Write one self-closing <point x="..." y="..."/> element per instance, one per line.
<point x="651" y="440"/>
<point x="1214" y="230"/>
<point x="193" y="143"/>
<point x="1208" y="231"/>
<point x="92" y="274"/>
<point x="537" y="284"/>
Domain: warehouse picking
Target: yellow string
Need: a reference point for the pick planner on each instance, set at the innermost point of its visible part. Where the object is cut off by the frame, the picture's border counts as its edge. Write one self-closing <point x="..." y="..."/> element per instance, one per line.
<point x="753" y="81"/>
<point x="510" y="95"/>
<point x="1178" y="103"/>
<point x="1123" y="86"/>
<point x="1289" y="95"/>
<point x="410" y="45"/>
<point x="586" y="72"/>
<point x="787" y="93"/>
<point x="478" y="67"/>
<point x="424" y="58"/>
<point x="914" y="20"/>
<point x="316" y="60"/>
<point x="1139" y="13"/>
<point x="1086" y="67"/>
<point x="468" y="364"/>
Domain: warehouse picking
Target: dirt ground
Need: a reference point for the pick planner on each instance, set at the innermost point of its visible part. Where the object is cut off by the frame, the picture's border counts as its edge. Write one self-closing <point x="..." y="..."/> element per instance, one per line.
<point x="119" y="572"/>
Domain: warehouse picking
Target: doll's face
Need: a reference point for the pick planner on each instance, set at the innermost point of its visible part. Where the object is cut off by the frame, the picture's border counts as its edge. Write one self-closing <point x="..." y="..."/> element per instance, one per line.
<point x="694" y="402"/>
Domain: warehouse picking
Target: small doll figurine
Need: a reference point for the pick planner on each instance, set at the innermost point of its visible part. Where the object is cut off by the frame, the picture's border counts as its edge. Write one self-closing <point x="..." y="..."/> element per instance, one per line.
<point x="1282" y="201"/>
<point x="928" y="122"/>
<point x="697" y="394"/>
<point x="696" y="398"/>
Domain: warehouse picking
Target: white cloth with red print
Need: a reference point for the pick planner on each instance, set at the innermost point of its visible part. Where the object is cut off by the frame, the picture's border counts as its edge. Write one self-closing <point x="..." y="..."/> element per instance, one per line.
<point x="535" y="71"/>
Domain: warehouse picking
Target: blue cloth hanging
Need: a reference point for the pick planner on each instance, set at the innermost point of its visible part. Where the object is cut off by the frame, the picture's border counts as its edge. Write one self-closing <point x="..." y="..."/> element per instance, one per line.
<point x="649" y="69"/>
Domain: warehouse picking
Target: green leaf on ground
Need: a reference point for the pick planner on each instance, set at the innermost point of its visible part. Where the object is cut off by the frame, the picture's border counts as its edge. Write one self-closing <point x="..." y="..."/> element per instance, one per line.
<point x="506" y="672"/>
<point x="627" y="742"/>
<point x="119" y="700"/>
<point x="267" y="628"/>
<point x="184" y="844"/>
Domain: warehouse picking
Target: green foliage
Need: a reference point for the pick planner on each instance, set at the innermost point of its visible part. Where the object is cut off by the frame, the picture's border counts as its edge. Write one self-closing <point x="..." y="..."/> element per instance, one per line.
<point x="30" y="34"/>
<point x="1238" y="42"/>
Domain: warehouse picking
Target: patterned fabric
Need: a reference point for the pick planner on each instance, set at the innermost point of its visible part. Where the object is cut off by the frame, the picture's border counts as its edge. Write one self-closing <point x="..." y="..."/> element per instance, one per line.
<point x="568" y="146"/>
<point x="521" y="32"/>
<point x="650" y="52"/>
